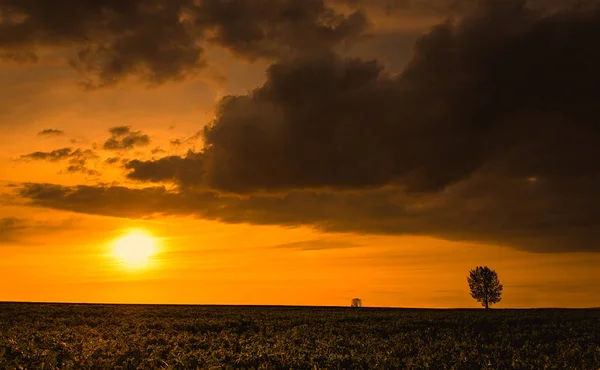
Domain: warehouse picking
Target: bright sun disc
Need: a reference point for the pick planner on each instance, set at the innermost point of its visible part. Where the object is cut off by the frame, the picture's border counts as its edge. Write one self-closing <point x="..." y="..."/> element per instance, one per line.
<point x="135" y="249"/>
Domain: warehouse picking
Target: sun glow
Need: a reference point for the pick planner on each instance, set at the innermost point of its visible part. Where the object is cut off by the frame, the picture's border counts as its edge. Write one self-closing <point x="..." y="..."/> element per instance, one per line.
<point x="135" y="249"/>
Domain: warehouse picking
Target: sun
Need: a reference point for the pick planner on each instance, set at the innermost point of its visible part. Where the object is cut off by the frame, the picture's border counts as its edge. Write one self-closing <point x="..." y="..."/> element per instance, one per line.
<point x="135" y="249"/>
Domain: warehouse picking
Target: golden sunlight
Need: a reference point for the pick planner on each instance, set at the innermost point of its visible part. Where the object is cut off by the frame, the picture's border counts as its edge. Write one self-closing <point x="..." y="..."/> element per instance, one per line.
<point x="135" y="249"/>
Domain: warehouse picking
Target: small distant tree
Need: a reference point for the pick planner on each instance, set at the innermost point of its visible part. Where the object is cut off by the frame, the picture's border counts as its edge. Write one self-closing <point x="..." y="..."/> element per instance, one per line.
<point x="356" y="302"/>
<point x="485" y="286"/>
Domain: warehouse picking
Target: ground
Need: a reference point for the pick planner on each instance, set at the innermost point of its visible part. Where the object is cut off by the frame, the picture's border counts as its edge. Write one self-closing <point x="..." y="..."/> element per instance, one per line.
<point x="180" y="337"/>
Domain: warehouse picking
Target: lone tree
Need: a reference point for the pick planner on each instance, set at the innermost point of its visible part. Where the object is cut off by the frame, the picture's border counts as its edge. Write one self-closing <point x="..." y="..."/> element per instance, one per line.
<point x="485" y="286"/>
<point x="356" y="302"/>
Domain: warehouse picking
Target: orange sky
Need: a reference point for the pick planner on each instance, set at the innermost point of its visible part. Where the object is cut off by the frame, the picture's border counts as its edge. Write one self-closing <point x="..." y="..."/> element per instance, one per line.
<point x="208" y="262"/>
<point x="60" y="255"/>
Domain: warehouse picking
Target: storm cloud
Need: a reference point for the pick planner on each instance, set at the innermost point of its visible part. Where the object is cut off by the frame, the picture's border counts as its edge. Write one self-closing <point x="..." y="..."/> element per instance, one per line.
<point x="507" y="86"/>
<point x="490" y="134"/>
<point x="162" y="40"/>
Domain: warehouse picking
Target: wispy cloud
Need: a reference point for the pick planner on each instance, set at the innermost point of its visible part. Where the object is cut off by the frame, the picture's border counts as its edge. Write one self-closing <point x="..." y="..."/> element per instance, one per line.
<point x="317" y="245"/>
<point x="15" y="230"/>
<point x="77" y="159"/>
<point x="51" y="132"/>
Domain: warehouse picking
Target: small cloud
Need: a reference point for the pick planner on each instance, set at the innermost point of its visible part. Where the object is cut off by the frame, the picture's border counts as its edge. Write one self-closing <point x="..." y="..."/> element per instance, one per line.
<point x="188" y="140"/>
<point x="51" y="132"/>
<point x="158" y="150"/>
<point x="112" y="160"/>
<point x="78" y="162"/>
<point x="81" y="169"/>
<point x="82" y="141"/>
<point x="120" y="130"/>
<point x="122" y="138"/>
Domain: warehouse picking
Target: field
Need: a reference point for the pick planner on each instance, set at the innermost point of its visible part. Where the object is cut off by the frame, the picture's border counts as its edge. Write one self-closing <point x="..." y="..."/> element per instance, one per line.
<point x="49" y="336"/>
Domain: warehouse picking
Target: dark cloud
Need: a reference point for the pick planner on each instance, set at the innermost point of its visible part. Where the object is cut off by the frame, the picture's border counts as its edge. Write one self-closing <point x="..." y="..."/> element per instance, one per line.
<point x="158" y="150"/>
<point x="312" y="124"/>
<point x="78" y="159"/>
<point x="119" y="131"/>
<point x="113" y="39"/>
<point x="161" y="40"/>
<point x="184" y="170"/>
<point x="514" y="213"/>
<point x="122" y="138"/>
<point x="135" y="203"/>
<point x="51" y="132"/>
<point x="276" y="28"/>
<point x="453" y="7"/>
<point x="490" y="134"/>
<point x="53" y="156"/>
<point x="392" y="7"/>
<point x="475" y="92"/>
<point x="112" y="160"/>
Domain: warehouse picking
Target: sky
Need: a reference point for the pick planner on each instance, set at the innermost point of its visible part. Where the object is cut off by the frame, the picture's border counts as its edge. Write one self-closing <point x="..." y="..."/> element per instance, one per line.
<point x="300" y="152"/>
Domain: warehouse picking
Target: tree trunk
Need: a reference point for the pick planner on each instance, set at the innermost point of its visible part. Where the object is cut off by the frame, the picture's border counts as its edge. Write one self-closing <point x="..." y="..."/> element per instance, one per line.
<point x="486" y="305"/>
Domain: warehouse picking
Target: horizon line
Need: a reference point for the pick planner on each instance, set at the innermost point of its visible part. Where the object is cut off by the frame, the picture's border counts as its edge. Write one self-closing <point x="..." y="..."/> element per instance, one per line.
<point x="290" y="306"/>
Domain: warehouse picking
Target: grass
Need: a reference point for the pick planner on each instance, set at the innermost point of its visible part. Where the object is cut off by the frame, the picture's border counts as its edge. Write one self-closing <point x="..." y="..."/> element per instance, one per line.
<point x="51" y="336"/>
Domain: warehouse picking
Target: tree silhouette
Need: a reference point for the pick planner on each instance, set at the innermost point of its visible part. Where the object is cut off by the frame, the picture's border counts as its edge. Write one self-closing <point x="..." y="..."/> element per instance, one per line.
<point x="485" y="286"/>
<point x="356" y="302"/>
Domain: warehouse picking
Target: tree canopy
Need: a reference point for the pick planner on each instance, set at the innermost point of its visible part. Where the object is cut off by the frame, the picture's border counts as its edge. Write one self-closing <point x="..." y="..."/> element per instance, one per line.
<point x="485" y="286"/>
